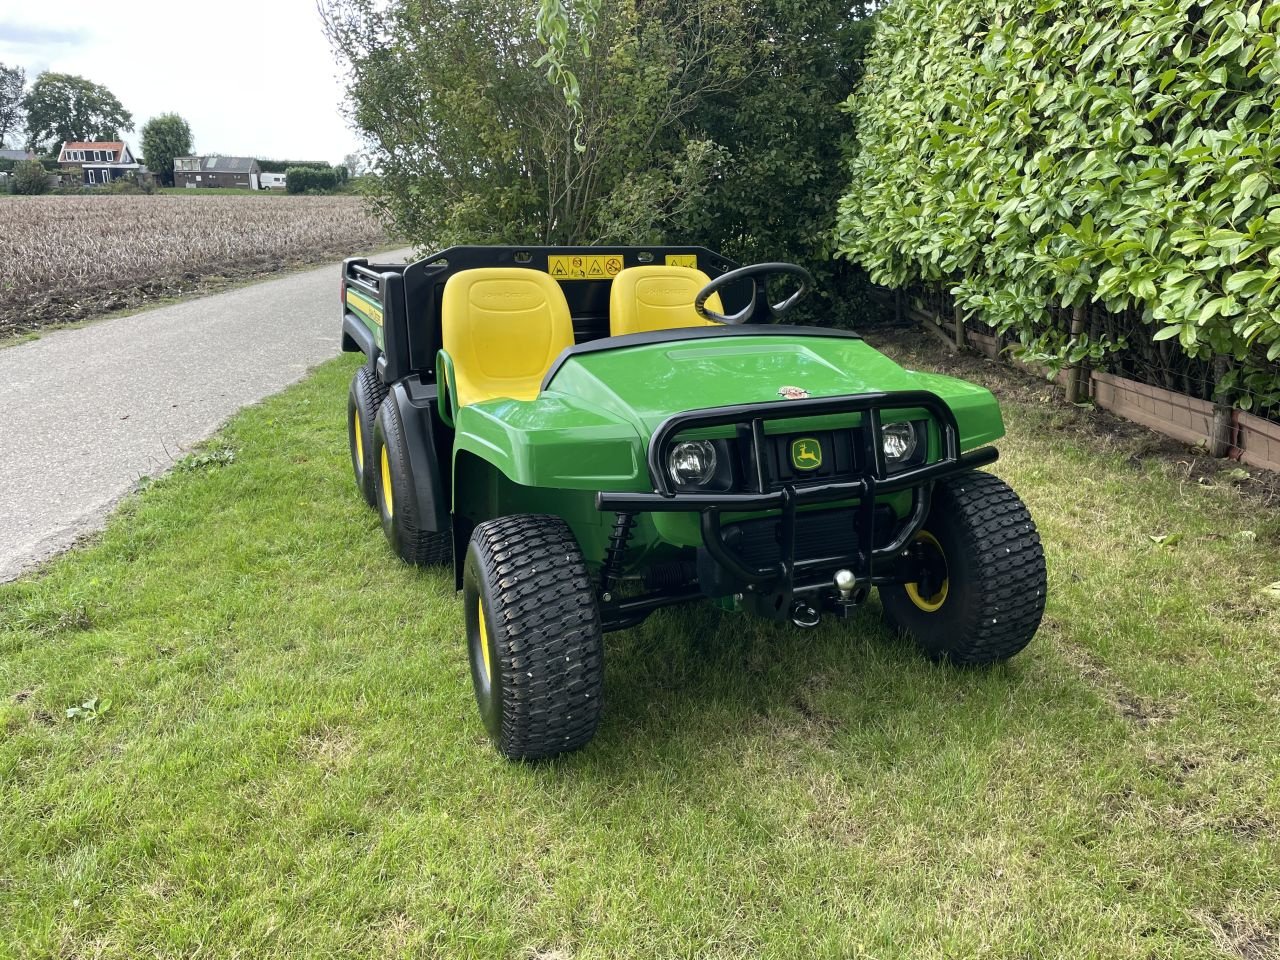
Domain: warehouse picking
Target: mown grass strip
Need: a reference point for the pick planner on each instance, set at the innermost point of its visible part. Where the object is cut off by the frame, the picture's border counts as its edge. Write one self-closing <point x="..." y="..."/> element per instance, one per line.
<point x="291" y="763"/>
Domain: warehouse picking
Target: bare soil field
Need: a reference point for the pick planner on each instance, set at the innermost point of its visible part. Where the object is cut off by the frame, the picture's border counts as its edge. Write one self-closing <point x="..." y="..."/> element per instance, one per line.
<point x="68" y="258"/>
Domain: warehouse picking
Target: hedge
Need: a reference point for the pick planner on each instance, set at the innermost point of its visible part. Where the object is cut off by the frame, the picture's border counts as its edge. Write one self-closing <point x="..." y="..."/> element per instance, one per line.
<point x="308" y="179"/>
<point x="281" y="166"/>
<point x="1048" y="154"/>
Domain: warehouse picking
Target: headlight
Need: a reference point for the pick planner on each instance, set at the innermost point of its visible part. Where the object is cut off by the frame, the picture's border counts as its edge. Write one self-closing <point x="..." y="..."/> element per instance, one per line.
<point x="692" y="462"/>
<point x="899" y="442"/>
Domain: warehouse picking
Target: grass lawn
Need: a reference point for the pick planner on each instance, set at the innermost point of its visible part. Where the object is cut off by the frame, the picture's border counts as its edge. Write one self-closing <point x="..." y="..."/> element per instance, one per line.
<point x="219" y="191"/>
<point x="291" y="764"/>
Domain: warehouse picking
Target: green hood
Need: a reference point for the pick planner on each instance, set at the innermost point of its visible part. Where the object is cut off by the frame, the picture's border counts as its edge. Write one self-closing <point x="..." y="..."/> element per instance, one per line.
<point x="590" y="427"/>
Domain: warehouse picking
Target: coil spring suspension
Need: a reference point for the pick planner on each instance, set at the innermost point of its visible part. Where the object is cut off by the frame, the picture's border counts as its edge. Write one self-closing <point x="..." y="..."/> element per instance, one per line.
<point x="611" y="569"/>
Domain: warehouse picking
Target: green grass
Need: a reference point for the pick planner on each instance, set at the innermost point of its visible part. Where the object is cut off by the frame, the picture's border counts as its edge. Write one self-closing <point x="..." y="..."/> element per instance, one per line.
<point x="219" y="191"/>
<point x="291" y="764"/>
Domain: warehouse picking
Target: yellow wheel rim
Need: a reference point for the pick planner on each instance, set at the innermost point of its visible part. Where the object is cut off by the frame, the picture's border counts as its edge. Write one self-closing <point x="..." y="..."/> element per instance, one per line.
<point x="484" y="641"/>
<point x="387" y="499"/>
<point x="934" y="603"/>
<point x="355" y="419"/>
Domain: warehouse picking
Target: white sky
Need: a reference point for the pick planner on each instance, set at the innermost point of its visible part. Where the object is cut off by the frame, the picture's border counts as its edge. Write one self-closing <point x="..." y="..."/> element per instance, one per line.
<point x="252" y="78"/>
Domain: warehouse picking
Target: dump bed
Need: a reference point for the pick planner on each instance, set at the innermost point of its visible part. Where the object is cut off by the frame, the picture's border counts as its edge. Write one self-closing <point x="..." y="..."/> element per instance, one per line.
<point x="391" y="312"/>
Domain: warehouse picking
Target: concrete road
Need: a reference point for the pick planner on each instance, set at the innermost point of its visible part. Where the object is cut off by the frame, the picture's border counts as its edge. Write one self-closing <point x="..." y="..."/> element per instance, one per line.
<point x="85" y="413"/>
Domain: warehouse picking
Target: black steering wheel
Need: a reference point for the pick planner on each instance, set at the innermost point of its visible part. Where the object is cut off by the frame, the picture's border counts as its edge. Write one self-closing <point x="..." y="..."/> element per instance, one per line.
<point x="759" y="310"/>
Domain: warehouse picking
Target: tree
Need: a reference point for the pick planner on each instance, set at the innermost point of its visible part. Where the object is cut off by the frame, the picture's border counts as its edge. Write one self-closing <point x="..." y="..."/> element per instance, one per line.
<point x="62" y="107"/>
<point x="164" y="137"/>
<point x="12" y="82"/>
<point x="472" y="141"/>
<point x="356" y="163"/>
<point x="786" y="136"/>
<point x="30" y="178"/>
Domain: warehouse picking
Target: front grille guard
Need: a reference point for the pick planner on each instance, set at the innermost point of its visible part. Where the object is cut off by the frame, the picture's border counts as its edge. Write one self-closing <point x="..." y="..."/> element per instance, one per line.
<point x="873" y="480"/>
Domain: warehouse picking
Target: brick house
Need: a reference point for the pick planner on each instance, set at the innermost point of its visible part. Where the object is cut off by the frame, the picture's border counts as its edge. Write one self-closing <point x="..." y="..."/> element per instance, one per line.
<point x="99" y="161"/>
<point x="216" y="172"/>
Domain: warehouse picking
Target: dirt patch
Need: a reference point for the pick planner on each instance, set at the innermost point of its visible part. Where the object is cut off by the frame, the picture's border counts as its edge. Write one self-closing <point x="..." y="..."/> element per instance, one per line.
<point x="914" y="348"/>
<point x="832" y="820"/>
<point x="547" y="953"/>
<point x="1241" y="936"/>
<point x="397" y="933"/>
<point x="328" y="747"/>
<point x="1141" y="711"/>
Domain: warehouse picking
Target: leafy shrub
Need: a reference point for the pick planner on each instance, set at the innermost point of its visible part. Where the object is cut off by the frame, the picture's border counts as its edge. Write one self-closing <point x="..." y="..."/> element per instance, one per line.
<point x="1046" y="155"/>
<point x="310" y="180"/>
<point x="30" y="178"/>
<point x="129" y="186"/>
<point x="783" y="136"/>
<point x="706" y="121"/>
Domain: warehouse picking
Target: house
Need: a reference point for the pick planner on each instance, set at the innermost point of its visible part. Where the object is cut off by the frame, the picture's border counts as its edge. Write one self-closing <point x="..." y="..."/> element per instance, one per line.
<point x="216" y="172"/>
<point x="17" y="155"/>
<point x="100" y="161"/>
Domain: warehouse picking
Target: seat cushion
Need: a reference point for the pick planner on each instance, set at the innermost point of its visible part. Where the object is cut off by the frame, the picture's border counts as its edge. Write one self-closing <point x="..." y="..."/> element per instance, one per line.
<point x="502" y="328"/>
<point x="657" y="298"/>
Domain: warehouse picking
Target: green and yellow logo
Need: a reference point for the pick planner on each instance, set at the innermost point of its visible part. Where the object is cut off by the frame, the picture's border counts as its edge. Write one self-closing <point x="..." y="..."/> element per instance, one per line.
<point x="806" y="454"/>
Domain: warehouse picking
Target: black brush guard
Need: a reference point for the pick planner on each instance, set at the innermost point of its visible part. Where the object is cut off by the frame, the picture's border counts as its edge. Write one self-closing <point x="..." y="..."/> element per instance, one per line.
<point x="873" y="480"/>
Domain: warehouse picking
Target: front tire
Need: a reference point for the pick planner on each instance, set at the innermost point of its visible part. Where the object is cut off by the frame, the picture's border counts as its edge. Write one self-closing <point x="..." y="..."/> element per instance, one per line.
<point x="986" y="598"/>
<point x="397" y="495"/>
<point x="363" y="399"/>
<point x="534" y="636"/>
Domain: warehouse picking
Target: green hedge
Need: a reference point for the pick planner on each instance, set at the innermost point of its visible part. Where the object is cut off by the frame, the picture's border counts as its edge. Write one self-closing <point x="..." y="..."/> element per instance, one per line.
<point x="7" y="166"/>
<point x="282" y="166"/>
<point x="1048" y="154"/>
<point x="310" y="180"/>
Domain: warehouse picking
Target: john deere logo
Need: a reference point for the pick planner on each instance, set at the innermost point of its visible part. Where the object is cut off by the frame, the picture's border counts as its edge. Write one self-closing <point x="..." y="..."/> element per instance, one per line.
<point x="806" y="454"/>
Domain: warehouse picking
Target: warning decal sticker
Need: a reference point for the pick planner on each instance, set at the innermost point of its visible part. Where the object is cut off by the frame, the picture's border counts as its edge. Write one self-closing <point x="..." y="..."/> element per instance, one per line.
<point x="682" y="260"/>
<point x="600" y="266"/>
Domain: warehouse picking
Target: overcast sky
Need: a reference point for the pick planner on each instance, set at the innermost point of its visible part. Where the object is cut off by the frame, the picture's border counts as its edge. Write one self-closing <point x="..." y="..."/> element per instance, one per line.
<point x="252" y="78"/>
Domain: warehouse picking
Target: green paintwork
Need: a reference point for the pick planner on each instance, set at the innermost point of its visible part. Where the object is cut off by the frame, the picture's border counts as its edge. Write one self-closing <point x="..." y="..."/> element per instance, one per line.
<point x="590" y="429"/>
<point x="369" y="311"/>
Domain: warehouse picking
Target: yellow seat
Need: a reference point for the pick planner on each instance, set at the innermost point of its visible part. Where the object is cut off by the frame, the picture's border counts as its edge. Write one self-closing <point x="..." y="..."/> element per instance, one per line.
<point x="502" y="328"/>
<point x="657" y="298"/>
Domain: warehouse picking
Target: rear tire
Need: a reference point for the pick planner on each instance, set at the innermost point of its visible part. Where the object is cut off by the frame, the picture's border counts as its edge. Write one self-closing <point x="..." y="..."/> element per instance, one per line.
<point x="988" y="605"/>
<point x="363" y="399"/>
<point x="397" y="495"/>
<point x="534" y="636"/>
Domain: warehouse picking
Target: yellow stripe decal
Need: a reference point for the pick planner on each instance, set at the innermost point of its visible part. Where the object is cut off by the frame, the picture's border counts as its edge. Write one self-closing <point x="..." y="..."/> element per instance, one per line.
<point x="368" y="309"/>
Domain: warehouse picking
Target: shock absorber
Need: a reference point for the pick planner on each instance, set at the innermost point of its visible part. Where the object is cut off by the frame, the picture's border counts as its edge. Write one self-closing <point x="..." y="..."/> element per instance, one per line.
<point x="611" y="569"/>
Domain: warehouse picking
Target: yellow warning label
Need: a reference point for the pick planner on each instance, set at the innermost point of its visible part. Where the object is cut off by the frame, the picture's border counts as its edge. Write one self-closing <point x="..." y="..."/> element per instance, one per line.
<point x="682" y="260"/>
<point x="600" y="266"/>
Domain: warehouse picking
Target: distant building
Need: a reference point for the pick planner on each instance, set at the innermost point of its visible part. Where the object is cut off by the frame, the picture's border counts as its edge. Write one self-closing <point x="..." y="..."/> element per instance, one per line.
<point x="216" y="172"/>
<point x="100" y="161"/>
<point x="18" y="155"/>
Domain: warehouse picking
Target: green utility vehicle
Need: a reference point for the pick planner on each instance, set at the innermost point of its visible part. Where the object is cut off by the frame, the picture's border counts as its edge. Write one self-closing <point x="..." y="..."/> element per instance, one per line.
<point x="589" y="434"/>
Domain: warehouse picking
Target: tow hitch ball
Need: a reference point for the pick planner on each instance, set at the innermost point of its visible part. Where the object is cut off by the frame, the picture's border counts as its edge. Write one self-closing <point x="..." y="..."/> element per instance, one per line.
<point x="848" y="596"/>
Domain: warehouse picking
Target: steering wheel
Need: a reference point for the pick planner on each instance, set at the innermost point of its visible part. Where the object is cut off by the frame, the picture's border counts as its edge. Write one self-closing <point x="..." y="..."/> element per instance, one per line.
<point x="759" y="310"/>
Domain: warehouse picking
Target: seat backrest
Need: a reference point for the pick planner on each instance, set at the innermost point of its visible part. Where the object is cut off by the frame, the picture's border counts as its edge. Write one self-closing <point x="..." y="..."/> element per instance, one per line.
<point x="502" y="328"/>
<point x="657" y="298"/>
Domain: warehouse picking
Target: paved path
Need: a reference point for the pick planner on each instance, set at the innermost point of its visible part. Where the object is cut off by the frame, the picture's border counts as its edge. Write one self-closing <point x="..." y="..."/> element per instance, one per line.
<point x="85" y="413"/>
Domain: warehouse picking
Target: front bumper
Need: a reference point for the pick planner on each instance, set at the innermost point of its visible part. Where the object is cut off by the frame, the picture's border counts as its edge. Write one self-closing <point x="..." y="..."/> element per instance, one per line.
<point x="872" y="481"/>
